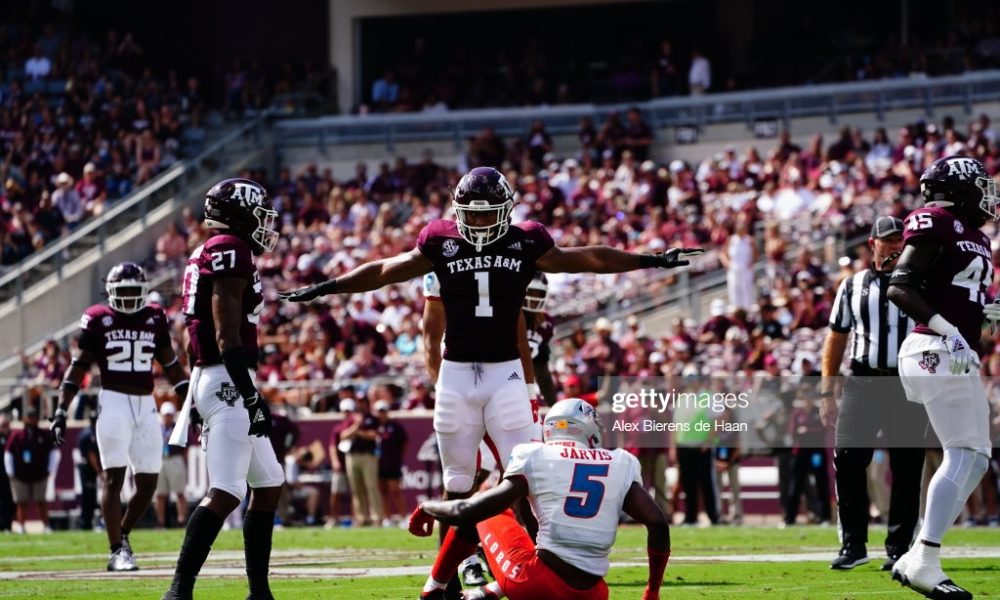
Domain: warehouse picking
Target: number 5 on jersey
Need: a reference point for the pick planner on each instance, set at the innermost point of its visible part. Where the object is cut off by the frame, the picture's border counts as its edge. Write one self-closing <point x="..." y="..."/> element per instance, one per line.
<point x="586" y="481"/>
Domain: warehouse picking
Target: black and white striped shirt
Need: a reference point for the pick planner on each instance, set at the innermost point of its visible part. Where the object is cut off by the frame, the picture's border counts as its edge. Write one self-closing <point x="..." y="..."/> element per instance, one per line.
<point x="862" y="305"/>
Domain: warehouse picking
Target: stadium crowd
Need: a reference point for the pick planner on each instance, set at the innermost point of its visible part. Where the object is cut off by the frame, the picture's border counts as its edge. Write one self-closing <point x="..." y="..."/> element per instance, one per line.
<point x="83" y="122"/>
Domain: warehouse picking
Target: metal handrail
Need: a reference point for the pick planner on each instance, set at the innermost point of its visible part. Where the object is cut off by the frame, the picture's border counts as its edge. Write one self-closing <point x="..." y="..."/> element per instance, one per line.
<point x="54" y="252"/>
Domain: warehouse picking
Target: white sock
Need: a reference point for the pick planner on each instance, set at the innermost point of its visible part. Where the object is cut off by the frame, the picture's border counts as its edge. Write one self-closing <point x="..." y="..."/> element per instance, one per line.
<point x="495" y="588"/>
<point x="945" y="498"/>
<point x="929" y="554"/>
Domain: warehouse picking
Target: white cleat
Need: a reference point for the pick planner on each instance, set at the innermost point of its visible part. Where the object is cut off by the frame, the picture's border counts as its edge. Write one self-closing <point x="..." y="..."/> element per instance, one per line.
<point x="927" y="579"/>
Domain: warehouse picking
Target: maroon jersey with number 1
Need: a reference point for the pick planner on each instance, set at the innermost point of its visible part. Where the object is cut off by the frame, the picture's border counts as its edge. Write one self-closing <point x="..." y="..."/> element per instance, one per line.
<point x="482" y="292"/>
<point x="957" y="282"/>
<point x="221" y="256"/>
<point x="124" y="344"/>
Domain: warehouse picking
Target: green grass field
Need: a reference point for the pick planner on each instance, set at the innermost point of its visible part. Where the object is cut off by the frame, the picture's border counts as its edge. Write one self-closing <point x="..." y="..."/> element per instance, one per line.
<point x="748" y="562"/>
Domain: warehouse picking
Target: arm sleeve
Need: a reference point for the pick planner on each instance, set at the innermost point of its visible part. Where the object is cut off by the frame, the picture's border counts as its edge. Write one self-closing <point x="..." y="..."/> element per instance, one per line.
<point x="841" y="317"/>
<point x="53" y="460"/>
<point x="431" y="287"/>
<point x="89" y="336"/>
<point x="162" y="334"/>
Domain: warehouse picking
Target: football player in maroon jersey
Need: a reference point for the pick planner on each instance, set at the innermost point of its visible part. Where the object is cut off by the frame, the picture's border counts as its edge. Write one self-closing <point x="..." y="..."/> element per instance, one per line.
<point x="123" y="337"/>
<point x="222" y="300"/>
<point x="484" y="265"/>
<point x="941" y="281"/>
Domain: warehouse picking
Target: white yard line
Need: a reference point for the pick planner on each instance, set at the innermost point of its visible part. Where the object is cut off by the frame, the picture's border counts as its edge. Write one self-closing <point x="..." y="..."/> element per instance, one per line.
<point x="287" y="570"/>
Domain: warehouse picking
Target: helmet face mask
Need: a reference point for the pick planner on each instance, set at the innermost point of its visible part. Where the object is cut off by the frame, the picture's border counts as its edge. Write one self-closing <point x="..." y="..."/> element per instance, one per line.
<point x="962" y="183"/>
<point x="483" y="205"/>
<point x="574" y="420"/>
<point x="127" y="288"/>
<point x="242" y="207"/>
<point x="536" y="296"/>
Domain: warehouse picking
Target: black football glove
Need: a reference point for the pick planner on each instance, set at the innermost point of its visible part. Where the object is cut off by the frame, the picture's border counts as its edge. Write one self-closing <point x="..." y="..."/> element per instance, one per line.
<point x="58" y="427"/>
<point x="675" y="257"/>
<point x="260" y="416"/>
<point x="195" y="416"/>
<point x="310" y="292"/>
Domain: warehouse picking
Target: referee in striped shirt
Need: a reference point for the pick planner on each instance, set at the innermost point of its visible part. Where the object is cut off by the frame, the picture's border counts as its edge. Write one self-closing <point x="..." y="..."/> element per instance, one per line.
<point x="871" y="328"/>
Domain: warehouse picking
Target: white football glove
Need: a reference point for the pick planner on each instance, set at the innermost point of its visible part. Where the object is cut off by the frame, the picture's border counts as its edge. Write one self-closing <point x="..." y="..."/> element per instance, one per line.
<point x="961" y="355"/>
<point x="991" y="312"/>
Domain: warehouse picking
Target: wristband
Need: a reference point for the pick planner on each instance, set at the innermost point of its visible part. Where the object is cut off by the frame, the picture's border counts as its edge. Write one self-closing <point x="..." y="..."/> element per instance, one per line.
<point x="327" y="287"/>
<point x="172" y="363"/>
<point x="80" y="364"/>
<point x="826" y="394"/>
<point x="648" y="261"/>
<point x="69" y="386"/>
<point x="941" y="326"/>
<point x="533" y="390"/>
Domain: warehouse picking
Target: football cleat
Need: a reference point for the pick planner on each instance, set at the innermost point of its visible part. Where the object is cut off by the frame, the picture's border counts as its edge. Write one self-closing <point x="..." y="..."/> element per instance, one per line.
<point x="926" y="579"/>
<point x="120" y="560"/>
<point x="851" y="555"/>
<point x="890" y="562"/>
<point x="172" y="594"/>
<point x="482" y="593"/>
<point x="472" y="576"/>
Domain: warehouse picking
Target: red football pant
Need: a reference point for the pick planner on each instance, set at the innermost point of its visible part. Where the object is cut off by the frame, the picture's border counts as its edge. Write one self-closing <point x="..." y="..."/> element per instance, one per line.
<point x="519" y="571"/>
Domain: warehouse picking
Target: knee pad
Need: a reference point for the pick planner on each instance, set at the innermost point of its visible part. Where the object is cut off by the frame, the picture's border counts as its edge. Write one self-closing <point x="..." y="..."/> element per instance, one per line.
<point x="457" y="482"/>
<point x="963" y="466"/>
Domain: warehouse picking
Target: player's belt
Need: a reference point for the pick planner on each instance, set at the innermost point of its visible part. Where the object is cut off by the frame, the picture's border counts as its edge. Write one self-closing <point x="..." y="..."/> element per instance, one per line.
<point x="863" y="370"/>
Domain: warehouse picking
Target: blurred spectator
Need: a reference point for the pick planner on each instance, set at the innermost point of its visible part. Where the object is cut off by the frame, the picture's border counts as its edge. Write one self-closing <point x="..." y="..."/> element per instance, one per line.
<point x="298" y="463"/>
<point x="89" y="468"/>
<point x="359" y="437"/>
<point x="171" y="247"/>
<point x="173" y="472"/>
<point x="638" y="135"/>
<point x="700" y="73"/>
<point x="809" y="458"/>
<point x="392" y="442"/>
<point x="602" y="354"/>
<point x="38" y="66"/>
<point x="340" y="491"/>
<point x="664" y="76"/>
<point x="6" y="499"/>
<point x="68" y="200"/>
<point x="29" y="457"/>
<point x="385" y="91"/>
<point x="739" y="258"/>
<point x="91" y="190"/>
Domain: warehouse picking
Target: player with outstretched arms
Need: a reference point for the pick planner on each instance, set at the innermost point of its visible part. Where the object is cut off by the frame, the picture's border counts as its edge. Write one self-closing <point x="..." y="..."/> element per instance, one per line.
<point x="222" y="300"/>
<point x="484" y="265"/>
<point x="123" y="337"/>
<point x="577" y="490"/>
<point x="941" y="281"/>
<point x="433" y="332"/>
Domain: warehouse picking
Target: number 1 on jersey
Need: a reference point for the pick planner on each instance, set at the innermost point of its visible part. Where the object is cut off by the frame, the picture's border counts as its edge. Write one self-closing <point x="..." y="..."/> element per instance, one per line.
<point x="483" y="309"/>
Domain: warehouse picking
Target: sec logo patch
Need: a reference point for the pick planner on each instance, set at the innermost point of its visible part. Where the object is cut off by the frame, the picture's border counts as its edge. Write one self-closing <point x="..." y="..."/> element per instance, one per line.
<point x="449" y="248"/>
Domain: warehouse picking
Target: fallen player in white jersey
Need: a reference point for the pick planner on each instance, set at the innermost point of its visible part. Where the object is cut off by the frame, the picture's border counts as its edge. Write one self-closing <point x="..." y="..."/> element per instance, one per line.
<point x="577" y="491"/>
